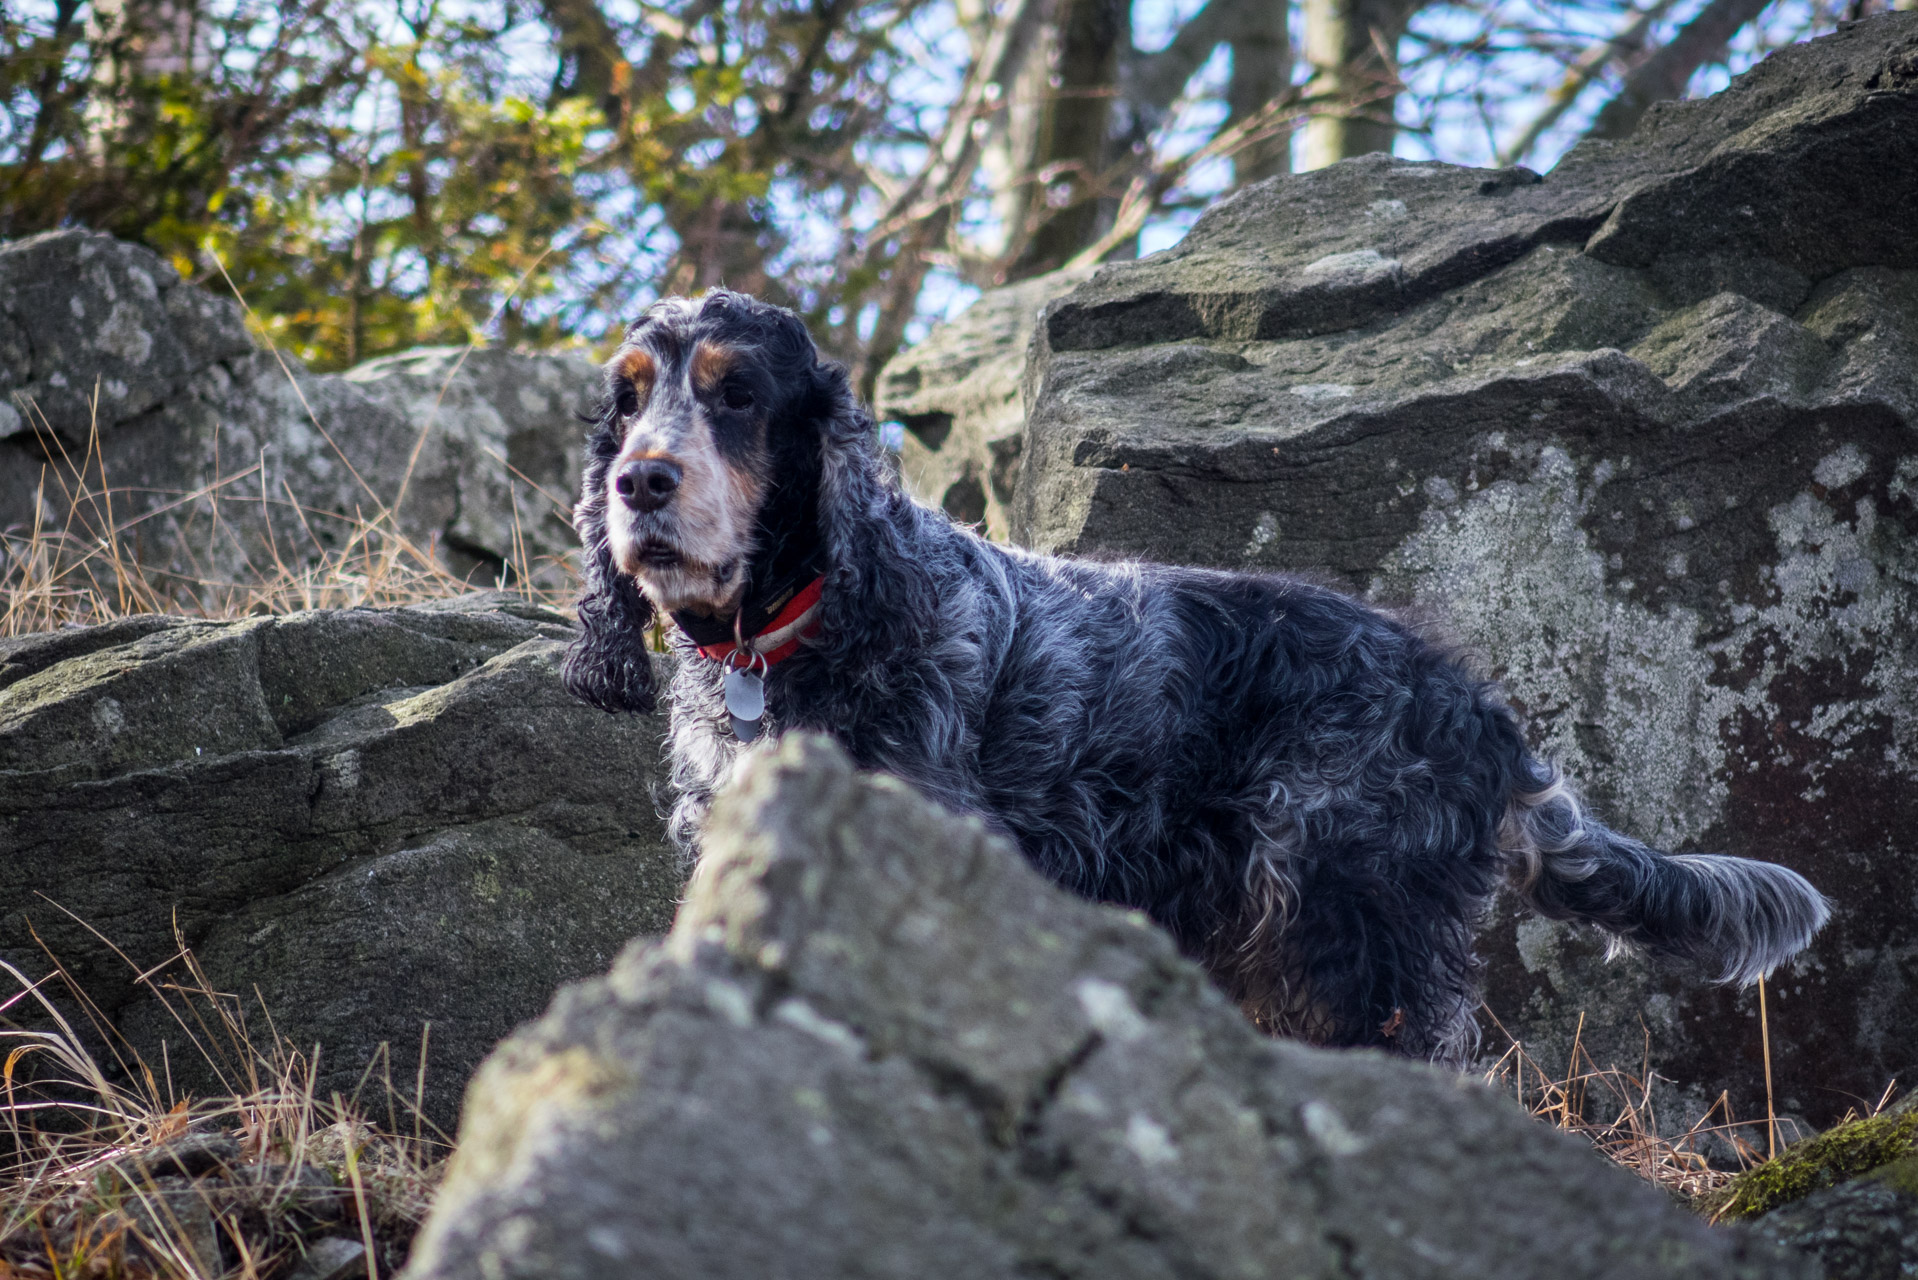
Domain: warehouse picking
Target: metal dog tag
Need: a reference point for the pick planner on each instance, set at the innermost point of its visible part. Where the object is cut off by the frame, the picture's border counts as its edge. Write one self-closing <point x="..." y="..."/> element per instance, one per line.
<point x="745" y="702"/>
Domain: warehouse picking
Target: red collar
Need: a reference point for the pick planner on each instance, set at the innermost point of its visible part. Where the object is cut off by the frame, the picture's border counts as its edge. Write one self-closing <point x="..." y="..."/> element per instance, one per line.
<point x="781" y="636"/>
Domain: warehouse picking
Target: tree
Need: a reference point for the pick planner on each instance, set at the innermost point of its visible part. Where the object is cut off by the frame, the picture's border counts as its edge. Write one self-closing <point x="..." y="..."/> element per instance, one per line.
<point x="406" y="171"/>
<point x="1351" y="47"/>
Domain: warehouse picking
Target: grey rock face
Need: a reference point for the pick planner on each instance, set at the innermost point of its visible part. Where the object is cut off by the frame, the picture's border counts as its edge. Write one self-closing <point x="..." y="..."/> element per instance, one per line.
<point x="505" y="443"/>
<point x="1640" y="433"/>
<point x="957" y="395"/>
<point x="878" y="1044"/>
<point x="378" y="817"/>
<point x="1865" y="1229"/>
<point x="208" y="445"/>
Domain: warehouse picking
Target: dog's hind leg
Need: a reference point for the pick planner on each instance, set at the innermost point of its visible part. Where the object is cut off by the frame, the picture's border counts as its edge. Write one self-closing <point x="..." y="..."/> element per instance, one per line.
<point x="1379" y="963"/>
<point x="1251" y="956"/>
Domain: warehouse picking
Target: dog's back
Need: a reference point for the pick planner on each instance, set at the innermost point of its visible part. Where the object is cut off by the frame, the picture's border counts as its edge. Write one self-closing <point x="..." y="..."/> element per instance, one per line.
<point x="1314" y="799"/>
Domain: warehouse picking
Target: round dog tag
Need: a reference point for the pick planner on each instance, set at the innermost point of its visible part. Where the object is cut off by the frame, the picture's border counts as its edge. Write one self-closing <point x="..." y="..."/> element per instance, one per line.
<point x="745" y="694"/>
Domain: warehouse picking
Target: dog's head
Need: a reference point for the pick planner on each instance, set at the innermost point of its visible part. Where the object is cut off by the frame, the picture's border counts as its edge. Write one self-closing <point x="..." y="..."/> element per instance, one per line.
<point x="703" y="471"/>
<point x="712" y="412"/>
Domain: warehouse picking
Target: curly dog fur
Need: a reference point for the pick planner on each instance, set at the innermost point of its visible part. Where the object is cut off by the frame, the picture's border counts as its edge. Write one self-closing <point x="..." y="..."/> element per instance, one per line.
<point x="1316" y="801"/>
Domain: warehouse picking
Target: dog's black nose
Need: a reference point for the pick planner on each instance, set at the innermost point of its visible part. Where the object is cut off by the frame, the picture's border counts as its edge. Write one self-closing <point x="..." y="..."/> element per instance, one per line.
<point x="648" y="484"/>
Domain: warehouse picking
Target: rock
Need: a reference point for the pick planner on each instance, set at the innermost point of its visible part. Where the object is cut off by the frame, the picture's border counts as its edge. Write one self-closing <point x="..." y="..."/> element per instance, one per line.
<point x="957" y="395"/>
<point x="506" y="443"/>
<point x="878" y="1044"/>
<point x="377" y="818"/>
<point x="1849" y="1197"/>
<point x="1865" y="1229"/>
<point x="333" y="1258"/>
<point x="1844" y="1152"/>
<point x="1639" y="433"/>
<point x="207" y="444"/>
<point x="170" y="1219"/>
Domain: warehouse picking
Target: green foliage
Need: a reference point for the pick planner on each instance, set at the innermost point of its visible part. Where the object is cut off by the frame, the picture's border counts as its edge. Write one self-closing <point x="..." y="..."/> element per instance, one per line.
<point x="1837" y="1155"/>
<point x="374" y="178"/>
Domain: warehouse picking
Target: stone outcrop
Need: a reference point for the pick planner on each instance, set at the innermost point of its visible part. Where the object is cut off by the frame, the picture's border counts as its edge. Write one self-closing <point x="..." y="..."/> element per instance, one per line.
<point x="1865" y="1229"/>
<point x="1640" y="433"/>
<point x="1848" y="1197"/>
<point x="376" y="818"/>
<point x="957" y="395"/>
<point x="877" y="1043"/>
<point x="116" y="375"/>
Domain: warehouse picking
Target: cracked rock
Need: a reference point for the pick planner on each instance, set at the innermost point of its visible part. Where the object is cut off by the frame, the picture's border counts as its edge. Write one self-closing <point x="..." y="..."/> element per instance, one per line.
<point x="225" y="462"/>
<point x="876" y="1043"/>
<point x="957" y="396"/>
<point x="379" y="818"/>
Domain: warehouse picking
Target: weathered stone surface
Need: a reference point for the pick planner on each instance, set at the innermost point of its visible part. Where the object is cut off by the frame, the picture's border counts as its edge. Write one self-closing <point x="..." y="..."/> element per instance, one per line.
<point x="1641" y="434"/>
<point x="377" y="817"/>
<point x="957" y="395"/>
<point x="1847" y="1197"/>
<point x="503" y="435"/>
<point x="878" y="1044"/>
<point x="102" y="342"/>
<point x="1865" y="1229"/>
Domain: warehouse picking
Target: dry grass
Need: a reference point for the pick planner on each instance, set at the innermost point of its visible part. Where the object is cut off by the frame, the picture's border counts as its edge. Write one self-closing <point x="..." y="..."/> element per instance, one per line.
<point x="105" y="1173"/>
<point x="1613" y="1108"/>
<point x="279" y="555"/>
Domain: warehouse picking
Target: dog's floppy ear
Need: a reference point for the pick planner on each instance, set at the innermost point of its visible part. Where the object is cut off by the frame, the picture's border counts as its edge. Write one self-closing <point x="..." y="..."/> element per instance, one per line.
<point x="608" y="665"/>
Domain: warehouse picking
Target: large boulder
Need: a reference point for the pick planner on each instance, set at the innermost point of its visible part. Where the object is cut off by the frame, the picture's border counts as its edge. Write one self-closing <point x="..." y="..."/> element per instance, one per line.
<point x="374" y="819"/>
<point x="228" y="464"/>
<point x="957" y="396"/>
<point x="877" y="1043"/>
<point x="1640" y="433"/>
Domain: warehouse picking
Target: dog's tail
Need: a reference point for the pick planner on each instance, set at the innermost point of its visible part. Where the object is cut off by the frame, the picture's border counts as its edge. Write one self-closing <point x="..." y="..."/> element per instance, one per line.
<point x="1733" y="917"/>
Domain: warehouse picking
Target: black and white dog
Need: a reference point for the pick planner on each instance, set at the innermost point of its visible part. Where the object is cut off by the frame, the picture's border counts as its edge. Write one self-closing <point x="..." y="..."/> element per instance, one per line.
<point x="1315" y="801"/>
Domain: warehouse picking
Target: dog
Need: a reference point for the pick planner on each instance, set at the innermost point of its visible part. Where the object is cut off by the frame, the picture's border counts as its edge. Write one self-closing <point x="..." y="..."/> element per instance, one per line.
<point x="1313" y="798"/>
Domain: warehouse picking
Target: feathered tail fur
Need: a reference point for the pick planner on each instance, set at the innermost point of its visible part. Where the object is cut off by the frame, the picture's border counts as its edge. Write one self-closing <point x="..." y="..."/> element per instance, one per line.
<point x="1734" y="918"/>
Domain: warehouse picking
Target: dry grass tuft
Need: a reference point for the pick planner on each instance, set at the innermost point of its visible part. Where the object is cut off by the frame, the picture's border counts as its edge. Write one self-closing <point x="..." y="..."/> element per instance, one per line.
<point x="85" y="567"/>
<point x="106" y="1174"/>
<point x="1613" y="1109"/>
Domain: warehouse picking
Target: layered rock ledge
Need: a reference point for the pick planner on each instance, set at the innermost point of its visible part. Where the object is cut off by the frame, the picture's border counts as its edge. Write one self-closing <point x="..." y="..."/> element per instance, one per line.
<point x="374" y="819"/>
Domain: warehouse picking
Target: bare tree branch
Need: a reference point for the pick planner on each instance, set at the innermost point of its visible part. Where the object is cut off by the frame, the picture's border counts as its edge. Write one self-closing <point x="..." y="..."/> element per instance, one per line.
<point x="1663" y="76"/>
<point x="922" y="213"/>
<point x="1629" y="39"/>
<point x="1153" y="81"/>
<point x="1148" y="189"/>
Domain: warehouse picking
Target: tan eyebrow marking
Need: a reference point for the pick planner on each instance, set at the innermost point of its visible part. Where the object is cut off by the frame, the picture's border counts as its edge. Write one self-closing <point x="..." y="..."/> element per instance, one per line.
<point x="637" y="367"/>
<point x="711" y="363"/>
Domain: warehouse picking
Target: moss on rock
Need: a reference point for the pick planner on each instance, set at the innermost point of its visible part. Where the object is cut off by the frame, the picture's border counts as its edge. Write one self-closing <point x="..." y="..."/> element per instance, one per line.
<point x="1885" y="1145"/>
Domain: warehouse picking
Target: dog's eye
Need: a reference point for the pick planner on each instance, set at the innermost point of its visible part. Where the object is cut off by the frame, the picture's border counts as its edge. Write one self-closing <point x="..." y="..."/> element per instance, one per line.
<point x="626" y="400"/>
<point x="737" y="396"/>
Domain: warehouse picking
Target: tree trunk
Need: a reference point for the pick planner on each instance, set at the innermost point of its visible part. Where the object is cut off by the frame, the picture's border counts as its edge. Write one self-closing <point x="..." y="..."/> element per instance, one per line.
<point x="1352" y="48"/>
<point x="592" y="64"/>
<point x="1057" y="140"/>
<point x="1664" y="75"/>
<point x="137" y="43"/>
<point x="1261" y="71"/>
